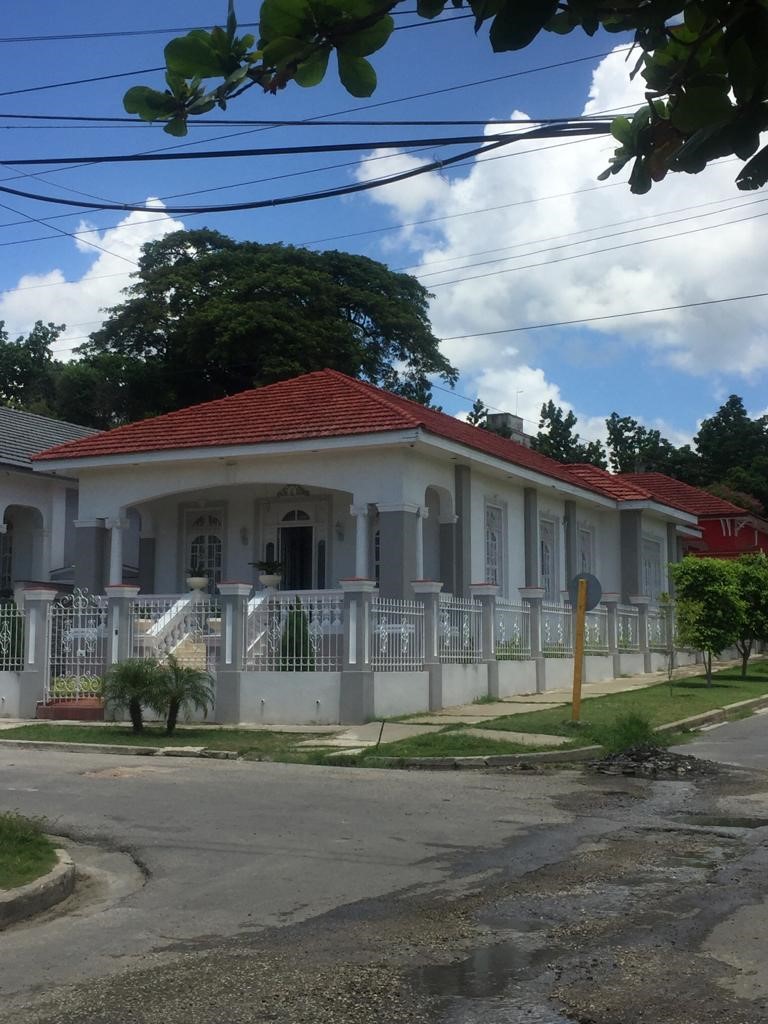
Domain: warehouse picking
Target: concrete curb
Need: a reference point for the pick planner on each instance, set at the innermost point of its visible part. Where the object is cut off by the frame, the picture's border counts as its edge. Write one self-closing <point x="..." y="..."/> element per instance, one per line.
<point x="39" y="895"/>
<point x="119" y="748"/>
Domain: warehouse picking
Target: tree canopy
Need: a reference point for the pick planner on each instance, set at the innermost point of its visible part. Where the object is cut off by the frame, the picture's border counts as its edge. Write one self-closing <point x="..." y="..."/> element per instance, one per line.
<point x="704" y="63"/>
<point x="208" y="316"/>
<point x="558" y="439"/>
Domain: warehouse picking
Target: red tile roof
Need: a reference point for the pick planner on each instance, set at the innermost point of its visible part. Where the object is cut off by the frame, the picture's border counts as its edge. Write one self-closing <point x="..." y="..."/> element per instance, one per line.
<point x="690" y="499"/>
<point x="617" y="487"/>
<point x="317" y="405"/>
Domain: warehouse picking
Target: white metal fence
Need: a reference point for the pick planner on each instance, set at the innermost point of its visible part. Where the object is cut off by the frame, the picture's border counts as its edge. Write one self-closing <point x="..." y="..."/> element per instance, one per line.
<point x="556" y="631"/>
<point x="459" y="630"/>
<point x="397" y="634"/>
<point x="628" y="628"/>
<point x="77" y="647"/>
<point x="512" y="630"/>
<point x="11" y="638"/>
<point x="188" y="627"/>
<point x="300" y="632"/>
<point x="658" y="629"/>
<point x="596" y="640"/>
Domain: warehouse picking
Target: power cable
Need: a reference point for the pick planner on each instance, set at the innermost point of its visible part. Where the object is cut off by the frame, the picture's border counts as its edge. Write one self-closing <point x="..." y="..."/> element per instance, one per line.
<point x="607" y="316"/>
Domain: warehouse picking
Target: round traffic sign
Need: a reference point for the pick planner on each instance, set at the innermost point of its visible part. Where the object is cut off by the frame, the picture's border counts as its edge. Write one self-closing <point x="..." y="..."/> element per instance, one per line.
<point x="594" y="590"/>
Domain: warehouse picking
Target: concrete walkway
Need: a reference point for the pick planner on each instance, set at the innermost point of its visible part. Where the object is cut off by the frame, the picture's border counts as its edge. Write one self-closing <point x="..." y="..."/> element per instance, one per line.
<point x="359" y="737"/>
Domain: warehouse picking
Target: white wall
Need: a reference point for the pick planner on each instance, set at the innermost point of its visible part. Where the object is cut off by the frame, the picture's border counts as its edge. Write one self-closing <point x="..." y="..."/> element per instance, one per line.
<point x="9" y="694"/>
<point x="400" y="693"/>
<point x="516" y="677"/>
<point x="46" y="547"/>
<point x="299" y="698"/>
<point x="464" y="683"/>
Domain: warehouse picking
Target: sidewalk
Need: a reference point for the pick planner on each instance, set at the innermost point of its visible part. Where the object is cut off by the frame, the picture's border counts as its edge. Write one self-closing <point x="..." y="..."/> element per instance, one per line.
<point x="359" y="737"/>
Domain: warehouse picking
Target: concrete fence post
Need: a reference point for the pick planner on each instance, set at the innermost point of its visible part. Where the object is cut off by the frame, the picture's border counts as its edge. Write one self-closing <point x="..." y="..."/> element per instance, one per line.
<point x="611" y="604"/>
<point x="485" y="594"/>
<point x="641" y="602"/>
<point x="429" y="593"/>
<point x="356" y="697"/>
<point x="234" y="615"/>
<point x="119" y="629"/>
<point x="533" y="597"/>
<point x="37" y="608"/>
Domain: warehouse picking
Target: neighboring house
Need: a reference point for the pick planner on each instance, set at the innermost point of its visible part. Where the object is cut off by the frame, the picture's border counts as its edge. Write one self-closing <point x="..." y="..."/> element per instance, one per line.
<point x="37" y="510"/>
<point x="727" y="530"/>
<point x="338" y="479"/>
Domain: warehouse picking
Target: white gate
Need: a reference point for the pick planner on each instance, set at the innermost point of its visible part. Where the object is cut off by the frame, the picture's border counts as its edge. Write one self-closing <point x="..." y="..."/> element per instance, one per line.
<point x="77" y="647"/>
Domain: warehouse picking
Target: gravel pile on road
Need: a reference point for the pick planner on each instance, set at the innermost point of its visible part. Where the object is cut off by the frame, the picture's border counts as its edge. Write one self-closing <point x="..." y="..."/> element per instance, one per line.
<point x="653" y="762"/>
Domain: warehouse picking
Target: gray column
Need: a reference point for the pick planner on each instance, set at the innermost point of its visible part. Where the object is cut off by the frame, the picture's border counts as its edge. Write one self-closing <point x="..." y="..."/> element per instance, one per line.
<point x="147" y="565"/>
<point x="119" y="613"/>
<point x="397" y="539"/>
<point x="37" y="604"/>
<point x="533" y="597"/>
<point x="631" y="551"/>
<point x="448" y="535"/>
<point x="571" y="542"/>
<point x="429" y="592"/>
<point x="90" y="555"/>
<point x="641" y="603"/>
<point x="234" y="611"/>
<point x="485" y="594"/>
<point x="356" y="697"/>
<point x="531" y="537"/>
<point x="611" y="603"/>
<point x="673" y="555"/>
<point x="463" y="555"/>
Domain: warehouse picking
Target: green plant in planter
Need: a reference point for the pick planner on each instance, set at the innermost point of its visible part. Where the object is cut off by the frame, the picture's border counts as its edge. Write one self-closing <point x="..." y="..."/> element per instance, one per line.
<point x="269" y="567"/>
<point x="296" y="654"/>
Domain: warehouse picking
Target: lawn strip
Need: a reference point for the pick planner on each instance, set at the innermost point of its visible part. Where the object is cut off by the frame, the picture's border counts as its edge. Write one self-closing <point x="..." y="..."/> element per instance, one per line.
<point x="26" y="852"/>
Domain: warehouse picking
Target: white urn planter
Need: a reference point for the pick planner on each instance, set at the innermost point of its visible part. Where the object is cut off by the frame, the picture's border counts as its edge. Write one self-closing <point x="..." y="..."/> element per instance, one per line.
<point x="270" y="579"/>
<point x="197" y="582"/>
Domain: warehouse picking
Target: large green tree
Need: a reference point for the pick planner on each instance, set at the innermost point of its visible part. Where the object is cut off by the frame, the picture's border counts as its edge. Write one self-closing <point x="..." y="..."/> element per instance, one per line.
<point x="633" y="448"/>
<point x="704" y="62"/>
<point x="208" y="316"/>
<point x="557" y="438"/>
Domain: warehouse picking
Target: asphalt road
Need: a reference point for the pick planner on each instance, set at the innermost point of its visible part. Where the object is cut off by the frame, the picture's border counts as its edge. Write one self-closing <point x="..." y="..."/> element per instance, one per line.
<point x="743" y="743"/>
<point x="230" y="847"/>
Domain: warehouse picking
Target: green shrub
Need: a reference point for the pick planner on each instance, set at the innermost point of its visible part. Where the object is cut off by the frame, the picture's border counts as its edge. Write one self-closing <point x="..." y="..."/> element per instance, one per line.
<point x="626" y="731"/>
<point x="296" y="653"/>
<point x="180" y="688"/>
<point x="132" y="684"/>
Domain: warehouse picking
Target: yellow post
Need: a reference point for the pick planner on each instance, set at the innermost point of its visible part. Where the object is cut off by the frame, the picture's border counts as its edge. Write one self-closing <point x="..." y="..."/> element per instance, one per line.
<point x="578" y="649"/>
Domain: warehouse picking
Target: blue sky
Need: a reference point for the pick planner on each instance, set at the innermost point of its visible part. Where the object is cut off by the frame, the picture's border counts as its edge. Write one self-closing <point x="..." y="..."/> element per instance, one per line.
<point x="668" y="370"/>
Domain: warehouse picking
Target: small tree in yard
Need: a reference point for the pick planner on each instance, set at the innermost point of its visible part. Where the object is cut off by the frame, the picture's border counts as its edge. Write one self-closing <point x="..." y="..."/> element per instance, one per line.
<point x="181" y="688"/>
<point x="133" y="684"/>
<point x="710" y="609"/>
<point x="751" y="574"/>
<point x="296" y="654"/>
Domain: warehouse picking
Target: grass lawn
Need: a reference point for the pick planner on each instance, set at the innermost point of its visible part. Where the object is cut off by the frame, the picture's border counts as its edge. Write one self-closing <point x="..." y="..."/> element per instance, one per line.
<point x="257" y="743"/>
<point x="689" y="696"/>
<point x="25" y="852"/>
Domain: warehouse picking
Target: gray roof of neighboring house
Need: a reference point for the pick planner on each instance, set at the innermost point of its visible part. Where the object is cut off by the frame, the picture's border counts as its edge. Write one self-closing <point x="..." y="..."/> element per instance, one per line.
<point x="23" y="434"/>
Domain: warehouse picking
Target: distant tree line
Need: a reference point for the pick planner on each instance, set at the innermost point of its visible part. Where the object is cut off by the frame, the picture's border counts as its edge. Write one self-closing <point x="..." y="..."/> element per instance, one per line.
<point x="729" y="456"/>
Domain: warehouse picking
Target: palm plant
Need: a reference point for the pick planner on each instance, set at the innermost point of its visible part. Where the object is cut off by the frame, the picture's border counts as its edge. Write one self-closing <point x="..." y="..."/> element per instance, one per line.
<point x="181" y="687"/>
<point x="132" y="684"/>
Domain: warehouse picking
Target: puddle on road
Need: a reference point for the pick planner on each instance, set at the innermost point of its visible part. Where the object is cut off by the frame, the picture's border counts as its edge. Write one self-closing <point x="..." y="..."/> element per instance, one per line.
<point x="486" y="972"/>
<point x="724" y="821"/>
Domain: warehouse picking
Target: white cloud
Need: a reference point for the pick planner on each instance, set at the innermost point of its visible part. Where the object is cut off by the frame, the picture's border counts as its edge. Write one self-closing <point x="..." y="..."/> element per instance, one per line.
<point x="687" y="268"/>
<point x="80" y="303"/>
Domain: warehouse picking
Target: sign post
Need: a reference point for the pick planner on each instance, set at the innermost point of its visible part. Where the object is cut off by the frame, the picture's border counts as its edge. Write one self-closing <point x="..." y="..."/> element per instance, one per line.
<point x="585" y="593"/>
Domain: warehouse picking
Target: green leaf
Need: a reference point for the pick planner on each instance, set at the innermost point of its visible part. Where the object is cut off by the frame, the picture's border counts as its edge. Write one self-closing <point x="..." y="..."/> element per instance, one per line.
<point x="193" y="55"/>
<point x="561" y="24"/>
<point x="519" y="22"/>
<point x="176" y="126"/>
<point x="430" y="8"/>
<point x="231" y="20"/>
<point x="621" y="130"/>
<point x="699" y="107"/>
<point x="695" y="18"/>
<point x="369" y="40"/>
<point x="148" y="103"/>
<point x="754" y="174"/>
<point x="640" y="179"/>
<point x="283" y="50"/>
<point x="356" y="75"/>
<point x="283" y="18"/>
<point x="312" y="70"/>
<point x="743" y="70"/>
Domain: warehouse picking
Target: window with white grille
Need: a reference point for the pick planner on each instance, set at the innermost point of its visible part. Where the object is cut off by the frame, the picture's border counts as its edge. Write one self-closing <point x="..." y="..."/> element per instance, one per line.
<point x="494" y="544"/>
<point x="548" y="559"/>
<point x="585" y="551"/>
<point x="652" y="585"/>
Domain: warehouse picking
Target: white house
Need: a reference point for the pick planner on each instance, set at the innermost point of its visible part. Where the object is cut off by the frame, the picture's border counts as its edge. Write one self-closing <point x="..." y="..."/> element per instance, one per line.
<point x="335" y="479"/>
<point x="37" y="510"/>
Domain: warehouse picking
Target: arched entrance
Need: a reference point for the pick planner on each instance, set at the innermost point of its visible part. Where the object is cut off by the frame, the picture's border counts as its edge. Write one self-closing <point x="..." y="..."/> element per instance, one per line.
<point x="21" y="546"/>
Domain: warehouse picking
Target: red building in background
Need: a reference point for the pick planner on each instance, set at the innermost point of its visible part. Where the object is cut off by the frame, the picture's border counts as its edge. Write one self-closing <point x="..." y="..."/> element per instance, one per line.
<point x="727" y="530"/>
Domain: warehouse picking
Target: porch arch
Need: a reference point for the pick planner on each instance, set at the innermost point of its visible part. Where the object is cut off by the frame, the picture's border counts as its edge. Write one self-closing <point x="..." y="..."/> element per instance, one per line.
<point x="22" y="546"/>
